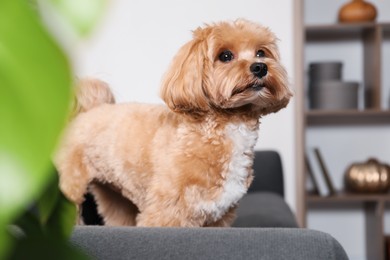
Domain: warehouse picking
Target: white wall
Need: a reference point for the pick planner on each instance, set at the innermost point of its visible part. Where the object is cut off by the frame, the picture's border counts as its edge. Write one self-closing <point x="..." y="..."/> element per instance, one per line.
<point x="137" y="39"/>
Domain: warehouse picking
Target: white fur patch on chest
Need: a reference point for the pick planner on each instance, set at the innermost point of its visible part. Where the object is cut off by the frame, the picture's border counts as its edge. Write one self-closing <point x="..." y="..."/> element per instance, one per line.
<point x="235" y="184"/>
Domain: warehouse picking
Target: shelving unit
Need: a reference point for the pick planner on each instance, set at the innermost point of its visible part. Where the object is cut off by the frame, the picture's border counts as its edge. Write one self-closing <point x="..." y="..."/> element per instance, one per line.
<point x="371" y="36"/>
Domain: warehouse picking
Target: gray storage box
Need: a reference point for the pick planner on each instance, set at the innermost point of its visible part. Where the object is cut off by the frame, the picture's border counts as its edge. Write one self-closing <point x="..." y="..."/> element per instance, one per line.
<point x="333" y="95"/>
<point x="320" y="71"/>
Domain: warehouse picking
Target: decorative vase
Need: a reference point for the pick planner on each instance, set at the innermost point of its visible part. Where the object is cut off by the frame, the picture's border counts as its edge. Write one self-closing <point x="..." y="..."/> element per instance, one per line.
<point x="370" y="176"/>
<point x="357" y="11"/>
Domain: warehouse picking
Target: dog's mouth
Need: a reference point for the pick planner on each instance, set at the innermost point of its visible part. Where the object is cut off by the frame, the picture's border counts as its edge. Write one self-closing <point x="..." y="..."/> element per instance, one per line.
<point x="257" y="87"/>
<point x="250" y="87"/>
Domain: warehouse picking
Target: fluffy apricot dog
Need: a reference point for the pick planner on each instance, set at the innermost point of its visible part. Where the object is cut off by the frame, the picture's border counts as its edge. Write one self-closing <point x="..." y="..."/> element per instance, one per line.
<point x="187" y="163"/>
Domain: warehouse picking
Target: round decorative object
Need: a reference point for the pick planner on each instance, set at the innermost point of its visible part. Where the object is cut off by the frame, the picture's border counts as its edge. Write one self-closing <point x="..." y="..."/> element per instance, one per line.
<point x="370" y="176"/>
<point x="357" y="11"/>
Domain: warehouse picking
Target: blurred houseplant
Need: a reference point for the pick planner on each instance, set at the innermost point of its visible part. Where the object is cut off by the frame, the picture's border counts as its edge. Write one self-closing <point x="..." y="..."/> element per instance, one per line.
<point x="35" y="93"/>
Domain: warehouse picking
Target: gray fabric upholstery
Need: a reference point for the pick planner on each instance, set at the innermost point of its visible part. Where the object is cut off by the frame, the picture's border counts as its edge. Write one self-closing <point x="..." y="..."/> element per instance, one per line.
<point x="268" y="173"/>
<point x="264" y="205"/>
<point x="206" y="243"/>
<point x="264" y="209"/>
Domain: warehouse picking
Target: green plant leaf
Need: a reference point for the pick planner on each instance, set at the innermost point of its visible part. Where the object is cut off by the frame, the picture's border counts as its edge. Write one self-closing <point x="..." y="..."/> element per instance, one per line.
<point x="57" y="215"/>
<point x="5" y="243"/>
<point x="35" y="82"/>
<point x="62" y="220"/>
<point x="82" y="15"/>
<point x="49" y="199"/>
<point x="43" y="247"/>
<point x="29" y="224"/>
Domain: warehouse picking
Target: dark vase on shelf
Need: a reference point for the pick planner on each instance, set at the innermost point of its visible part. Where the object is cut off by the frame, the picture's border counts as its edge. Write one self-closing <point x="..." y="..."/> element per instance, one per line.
<point x="357" y="11"/>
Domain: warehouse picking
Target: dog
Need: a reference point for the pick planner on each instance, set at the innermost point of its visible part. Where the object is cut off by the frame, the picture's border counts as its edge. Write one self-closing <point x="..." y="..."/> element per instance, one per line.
<point x="186" y="163"/>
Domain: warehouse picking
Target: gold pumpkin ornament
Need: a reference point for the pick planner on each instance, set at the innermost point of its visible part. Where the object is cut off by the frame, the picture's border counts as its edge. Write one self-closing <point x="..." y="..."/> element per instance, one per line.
<point x="357" y="11"/>
<point x="370" y="177"/>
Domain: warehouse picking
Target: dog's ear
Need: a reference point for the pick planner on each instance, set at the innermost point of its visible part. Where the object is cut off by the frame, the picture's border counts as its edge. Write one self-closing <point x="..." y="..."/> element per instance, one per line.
<point x="184" y="84"/>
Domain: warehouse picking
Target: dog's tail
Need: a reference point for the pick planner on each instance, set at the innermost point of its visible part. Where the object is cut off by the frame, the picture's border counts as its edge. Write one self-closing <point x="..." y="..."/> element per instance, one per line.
<point x="90" y="93"/>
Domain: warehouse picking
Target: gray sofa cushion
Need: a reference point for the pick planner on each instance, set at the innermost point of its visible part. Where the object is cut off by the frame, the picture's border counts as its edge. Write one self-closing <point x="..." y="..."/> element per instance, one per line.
<point x="264" y="209"/>
<point x="206" y="243"/>
<point x="268" y="172"/>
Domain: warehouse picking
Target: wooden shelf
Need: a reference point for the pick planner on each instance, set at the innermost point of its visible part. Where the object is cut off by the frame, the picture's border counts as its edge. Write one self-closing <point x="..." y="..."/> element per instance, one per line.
<point x="341" y="31"/>
<point x="347" y="117"/>
<point x="385" y="26"/>
<point x="341" y="27"/>
<point x="337" y="31"/>
<point x="341" y="197"/>
<point x="344" y="27"/>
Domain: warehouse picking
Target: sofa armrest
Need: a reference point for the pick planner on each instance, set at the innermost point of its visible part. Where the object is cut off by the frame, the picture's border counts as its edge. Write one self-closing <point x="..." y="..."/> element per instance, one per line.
<point x="206" y="243"/>
<point x="264" y="209"/>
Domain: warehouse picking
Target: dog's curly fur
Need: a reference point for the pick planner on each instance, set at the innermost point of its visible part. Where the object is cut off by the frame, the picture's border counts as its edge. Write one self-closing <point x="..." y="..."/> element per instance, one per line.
<point x="187" y="163"/>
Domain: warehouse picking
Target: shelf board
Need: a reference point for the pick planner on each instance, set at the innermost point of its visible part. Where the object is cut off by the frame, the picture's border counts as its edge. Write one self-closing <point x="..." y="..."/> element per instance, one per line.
<point x="337" y="31"/>
<point x="385" y="26"/>
<point x="341" y="197"/>
<point x="347" y="117"/>
<point x="340" y="30"/>
<point x="355" y="27"/>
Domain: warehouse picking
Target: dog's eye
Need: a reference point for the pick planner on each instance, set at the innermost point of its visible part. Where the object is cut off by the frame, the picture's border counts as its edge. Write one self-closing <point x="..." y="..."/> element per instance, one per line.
<point x="226" y="56"/>
<point x="260" y="54"/>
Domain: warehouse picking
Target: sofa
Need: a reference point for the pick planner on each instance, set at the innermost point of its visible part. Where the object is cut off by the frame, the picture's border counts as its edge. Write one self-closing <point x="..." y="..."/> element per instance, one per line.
<point x="265" y="228"/>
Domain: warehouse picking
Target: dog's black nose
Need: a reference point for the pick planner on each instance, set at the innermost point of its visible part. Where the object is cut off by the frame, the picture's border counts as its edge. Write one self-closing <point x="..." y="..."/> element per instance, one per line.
<point x="259" y="69"/>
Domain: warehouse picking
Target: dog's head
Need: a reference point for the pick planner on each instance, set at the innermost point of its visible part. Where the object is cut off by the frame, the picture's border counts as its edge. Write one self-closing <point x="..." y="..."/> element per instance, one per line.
<point x="227" y="66"/>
